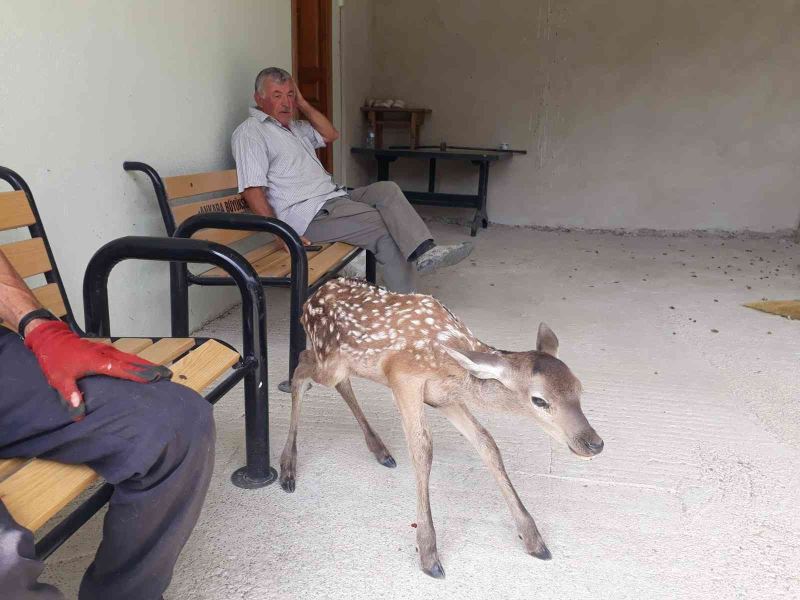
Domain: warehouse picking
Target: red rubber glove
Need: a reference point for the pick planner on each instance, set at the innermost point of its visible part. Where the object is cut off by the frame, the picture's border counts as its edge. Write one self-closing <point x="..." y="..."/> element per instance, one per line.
<point x="64" y="358"/>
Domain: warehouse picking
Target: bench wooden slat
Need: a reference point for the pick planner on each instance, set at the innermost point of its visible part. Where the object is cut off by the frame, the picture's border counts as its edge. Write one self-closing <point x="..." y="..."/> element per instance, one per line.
<point x="222" y="236"/>
<point x="320" y="264"/>
<point x="28" y="257"/>
<point x="41" y="488"/>
<point x="166" y="350"/>
<point x="234" y="204"/>
<point x="226" y="204"/>
<point x="50" y="297"/>
<point x="202" y="366"/>
<point x="132" y="345"/>
<point x="254" y="257"/>
<point x="275" y="265"/>
<point x="15" y="210"/>
<point x="9" y="466"/>
<point x="185" y="186"/>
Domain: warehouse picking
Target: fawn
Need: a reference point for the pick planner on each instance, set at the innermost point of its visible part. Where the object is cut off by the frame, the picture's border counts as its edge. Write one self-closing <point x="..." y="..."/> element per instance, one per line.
<point x="425" y="355"/>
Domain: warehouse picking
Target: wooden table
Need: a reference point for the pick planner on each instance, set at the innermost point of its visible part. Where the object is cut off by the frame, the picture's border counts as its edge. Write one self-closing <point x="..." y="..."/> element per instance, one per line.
<point x="380" y="117"/>
<point x="481" y="157"/>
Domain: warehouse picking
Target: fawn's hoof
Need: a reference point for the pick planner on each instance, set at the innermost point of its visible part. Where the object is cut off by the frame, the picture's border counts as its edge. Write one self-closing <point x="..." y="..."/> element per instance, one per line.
<point x="542" y="553"/>
<point x="436" y="571"/>
<point x="388" y="462"/>
<point x="287" y="484"/>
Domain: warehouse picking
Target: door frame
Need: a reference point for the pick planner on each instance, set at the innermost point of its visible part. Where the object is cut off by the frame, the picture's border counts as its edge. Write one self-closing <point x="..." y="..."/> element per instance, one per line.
<point x="329" y="86"/>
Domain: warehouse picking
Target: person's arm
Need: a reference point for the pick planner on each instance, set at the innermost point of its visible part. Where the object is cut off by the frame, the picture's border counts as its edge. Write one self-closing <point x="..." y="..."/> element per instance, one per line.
<point x="16" y="300"/>
<point x="259" y="204"/>
<point x="318" y="121"/>
<point x="63" y="356"/>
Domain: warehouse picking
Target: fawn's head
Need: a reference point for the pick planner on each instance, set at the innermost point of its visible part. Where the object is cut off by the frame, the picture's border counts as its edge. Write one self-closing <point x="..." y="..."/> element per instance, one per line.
<point x="539" y="385"/>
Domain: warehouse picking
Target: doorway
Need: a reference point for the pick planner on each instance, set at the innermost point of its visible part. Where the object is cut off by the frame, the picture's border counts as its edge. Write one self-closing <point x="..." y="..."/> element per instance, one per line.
<point x="311" y="59"/>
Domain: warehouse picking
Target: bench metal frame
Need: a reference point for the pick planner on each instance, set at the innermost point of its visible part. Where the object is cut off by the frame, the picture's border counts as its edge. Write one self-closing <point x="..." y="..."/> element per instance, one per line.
<point x="251" y="367"/>
<point x="181" y="278"/>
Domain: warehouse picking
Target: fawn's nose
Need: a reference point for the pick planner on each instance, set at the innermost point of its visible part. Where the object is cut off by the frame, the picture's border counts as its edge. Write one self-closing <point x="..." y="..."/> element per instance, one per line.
<point x="594" y="446"/>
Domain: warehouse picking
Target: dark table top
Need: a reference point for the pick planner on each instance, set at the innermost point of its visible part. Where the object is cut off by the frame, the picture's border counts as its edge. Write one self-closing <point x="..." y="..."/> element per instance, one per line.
<point x="478" y="155"/>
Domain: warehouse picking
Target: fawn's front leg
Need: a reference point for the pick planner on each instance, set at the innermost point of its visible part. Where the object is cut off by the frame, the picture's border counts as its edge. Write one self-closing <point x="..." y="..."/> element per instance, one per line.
<point x="484" y="443"/>
<point x="409" y="399"/>
<point x="301" y="382"/>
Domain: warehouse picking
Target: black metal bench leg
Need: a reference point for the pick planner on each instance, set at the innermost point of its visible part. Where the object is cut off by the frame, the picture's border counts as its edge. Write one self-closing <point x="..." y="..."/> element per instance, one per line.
<point x="257" y="472"/>
<point x="480" y="217"/>
<point x="484" y="214"/>
<point x="179" y="299"/>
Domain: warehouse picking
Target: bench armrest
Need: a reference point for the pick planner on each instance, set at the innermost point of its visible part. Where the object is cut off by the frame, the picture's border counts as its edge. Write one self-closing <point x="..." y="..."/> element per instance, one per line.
<point x="248" y="222"/>
<point x="95" y="282"/>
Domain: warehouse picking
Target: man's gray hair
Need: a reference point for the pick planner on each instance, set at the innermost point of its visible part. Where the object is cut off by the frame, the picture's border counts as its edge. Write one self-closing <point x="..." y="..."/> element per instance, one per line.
<point x="276" y="74"/>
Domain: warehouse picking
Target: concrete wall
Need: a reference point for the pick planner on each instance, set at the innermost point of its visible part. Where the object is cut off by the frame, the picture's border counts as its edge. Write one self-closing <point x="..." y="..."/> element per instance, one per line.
<point x="635" y="114"/>
<point x="89" y="84"/>
<point x="355" y="46"/>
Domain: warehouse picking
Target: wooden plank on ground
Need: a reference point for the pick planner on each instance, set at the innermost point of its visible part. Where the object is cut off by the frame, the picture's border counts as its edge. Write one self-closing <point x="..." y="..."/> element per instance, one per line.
<point x="166" y="350"/>
<point x="36" y="492"/>
<point x="15" y="211"/>
<point x="185" y="186"/>
<point x="328" y="258"/>
<point x="202" y="366"/>
<point x="132" y="345"/>
<point x="50" y="297"/>
<point x="28" y="257"/>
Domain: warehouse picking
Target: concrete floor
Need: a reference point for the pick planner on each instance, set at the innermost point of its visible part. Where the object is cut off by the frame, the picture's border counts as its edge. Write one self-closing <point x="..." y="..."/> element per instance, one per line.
<point x="696" y="397"/>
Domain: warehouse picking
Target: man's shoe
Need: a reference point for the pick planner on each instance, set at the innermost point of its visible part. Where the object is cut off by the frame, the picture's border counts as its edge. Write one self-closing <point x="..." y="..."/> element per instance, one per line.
<point x="443" y="256"/>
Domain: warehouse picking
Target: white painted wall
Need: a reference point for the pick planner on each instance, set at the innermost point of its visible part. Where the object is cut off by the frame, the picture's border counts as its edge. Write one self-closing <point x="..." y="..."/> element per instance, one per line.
<point x="89" y="84"/>
<point x="353" y="66"/>
<point x="635" y="114"/>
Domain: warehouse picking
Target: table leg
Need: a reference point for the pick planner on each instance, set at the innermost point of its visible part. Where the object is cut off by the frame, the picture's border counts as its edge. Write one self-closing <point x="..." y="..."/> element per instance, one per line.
<point x="480" y="218"/>
<point x="432" y="175"/>
<point x="483" y="192"/>
<point x="383" y="169"/>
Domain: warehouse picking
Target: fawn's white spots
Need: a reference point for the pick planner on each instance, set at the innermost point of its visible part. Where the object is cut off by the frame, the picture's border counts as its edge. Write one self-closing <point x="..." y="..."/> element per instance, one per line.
<point x="354" y="320"/>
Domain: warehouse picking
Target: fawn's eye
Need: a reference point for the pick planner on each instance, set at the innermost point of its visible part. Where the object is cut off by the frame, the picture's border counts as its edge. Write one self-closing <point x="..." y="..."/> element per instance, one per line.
<point x="540" y="402"/>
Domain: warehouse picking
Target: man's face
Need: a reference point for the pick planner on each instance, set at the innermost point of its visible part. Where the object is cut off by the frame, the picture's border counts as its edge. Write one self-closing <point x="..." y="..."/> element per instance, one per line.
<point x="277" y="100"/>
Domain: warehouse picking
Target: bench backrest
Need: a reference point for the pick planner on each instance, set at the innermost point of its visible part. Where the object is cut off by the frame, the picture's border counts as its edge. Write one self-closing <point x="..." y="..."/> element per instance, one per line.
<point x="31" y="255"/>
<point x="218" y="192"/>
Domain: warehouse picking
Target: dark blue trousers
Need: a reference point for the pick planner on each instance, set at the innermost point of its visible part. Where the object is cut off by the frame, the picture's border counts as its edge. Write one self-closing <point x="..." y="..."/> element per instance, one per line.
<point x="154" y="442"/>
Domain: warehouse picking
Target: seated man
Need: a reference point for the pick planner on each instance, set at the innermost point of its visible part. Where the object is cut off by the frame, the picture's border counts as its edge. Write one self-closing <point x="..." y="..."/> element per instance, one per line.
<point x="154" y="442"/>
<point x="275" y="152"/>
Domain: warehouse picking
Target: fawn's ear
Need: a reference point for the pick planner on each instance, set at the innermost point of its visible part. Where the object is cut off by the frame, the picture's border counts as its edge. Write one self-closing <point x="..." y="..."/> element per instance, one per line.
<point x="546" y="340"/>
<point x="482" y="364"/>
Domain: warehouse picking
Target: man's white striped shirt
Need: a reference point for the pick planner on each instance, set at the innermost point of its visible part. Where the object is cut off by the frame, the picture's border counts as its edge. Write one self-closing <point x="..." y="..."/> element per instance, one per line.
<point x="283" y="160"/>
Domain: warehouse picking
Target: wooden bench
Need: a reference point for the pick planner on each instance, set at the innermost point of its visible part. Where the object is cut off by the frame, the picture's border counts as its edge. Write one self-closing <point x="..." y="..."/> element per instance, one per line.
<point x="207" y="206"/>
<point x="35" y="490"/>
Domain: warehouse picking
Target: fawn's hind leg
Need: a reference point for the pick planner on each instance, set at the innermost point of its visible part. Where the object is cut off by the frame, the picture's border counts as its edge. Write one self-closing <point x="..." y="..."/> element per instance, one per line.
<point x="374" y="442"/>
<point x="305" y="371"/>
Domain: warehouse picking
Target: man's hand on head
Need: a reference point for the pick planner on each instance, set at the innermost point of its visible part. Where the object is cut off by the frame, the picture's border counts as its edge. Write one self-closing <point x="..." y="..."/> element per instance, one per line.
<point x="65" y="358"/>
<point x="301" y="102"/>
